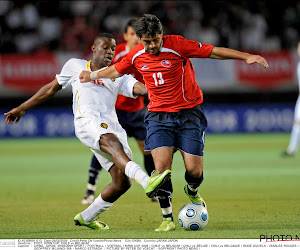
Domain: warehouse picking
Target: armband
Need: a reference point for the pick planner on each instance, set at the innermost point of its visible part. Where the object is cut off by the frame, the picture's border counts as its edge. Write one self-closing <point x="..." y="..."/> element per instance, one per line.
<point x="94" y="75"/>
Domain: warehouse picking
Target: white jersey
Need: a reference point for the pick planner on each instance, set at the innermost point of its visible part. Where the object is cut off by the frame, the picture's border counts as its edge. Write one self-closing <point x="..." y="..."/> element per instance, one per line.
<point x="90" y="97"/>
<point x="94" y="107"/>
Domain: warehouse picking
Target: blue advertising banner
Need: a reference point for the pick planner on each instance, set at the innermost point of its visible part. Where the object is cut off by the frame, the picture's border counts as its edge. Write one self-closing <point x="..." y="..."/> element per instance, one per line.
<point x="44" y="122"/>
<point x="239" y="118"/>
<point x="249" y="118"/>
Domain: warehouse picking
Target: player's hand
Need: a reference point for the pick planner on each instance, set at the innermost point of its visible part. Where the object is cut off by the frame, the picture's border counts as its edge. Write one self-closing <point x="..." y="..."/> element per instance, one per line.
<point x="257" y="59"/>
<point x="85" y="76"/>
<point x="14" y="115"/>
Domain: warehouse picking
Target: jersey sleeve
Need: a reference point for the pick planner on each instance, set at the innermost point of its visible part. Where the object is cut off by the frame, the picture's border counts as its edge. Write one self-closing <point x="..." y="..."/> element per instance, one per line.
<point x="124" y="66"/>
<point x="120" y="52"/>
<point x="67" y="74"/>
<point x="126" y="86"/>
<point x="193" y="49"/>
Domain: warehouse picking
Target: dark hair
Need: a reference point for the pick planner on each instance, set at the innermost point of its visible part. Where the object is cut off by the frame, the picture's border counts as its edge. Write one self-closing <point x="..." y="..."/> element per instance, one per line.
<point x="130" y="23"/>
<point x="99" y="36"/>
<point x="147" y="25"/>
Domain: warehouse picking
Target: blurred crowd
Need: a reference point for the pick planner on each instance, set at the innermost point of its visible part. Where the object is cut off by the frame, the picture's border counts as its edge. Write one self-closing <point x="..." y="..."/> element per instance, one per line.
<point x="41" y="26"/>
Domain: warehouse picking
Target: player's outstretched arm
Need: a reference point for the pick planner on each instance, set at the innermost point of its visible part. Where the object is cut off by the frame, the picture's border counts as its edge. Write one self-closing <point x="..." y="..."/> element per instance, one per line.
<point x="45" y="93"/>
<point x="225" y="53"/>
<point x="139" y="89"/>
<point x="109" y="72"/>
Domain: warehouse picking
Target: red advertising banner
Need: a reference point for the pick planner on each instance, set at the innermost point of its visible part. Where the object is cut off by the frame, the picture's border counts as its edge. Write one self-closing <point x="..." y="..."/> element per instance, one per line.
<point x="280" y="72"/>
<point x="27" y="73"/>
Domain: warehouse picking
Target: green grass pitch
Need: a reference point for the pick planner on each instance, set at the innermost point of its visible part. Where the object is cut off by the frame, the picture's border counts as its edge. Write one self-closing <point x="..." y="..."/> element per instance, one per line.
<point x="249" y="189"/>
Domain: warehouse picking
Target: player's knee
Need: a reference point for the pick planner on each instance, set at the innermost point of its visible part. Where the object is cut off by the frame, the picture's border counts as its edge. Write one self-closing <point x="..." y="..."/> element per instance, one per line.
<point x="161" y="166"/>
<point x="110" y="144"/>
<point x="195" y="173"/>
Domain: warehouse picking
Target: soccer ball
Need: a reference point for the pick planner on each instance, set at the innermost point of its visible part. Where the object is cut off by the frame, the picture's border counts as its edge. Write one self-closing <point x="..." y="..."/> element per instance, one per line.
<point x="193" y="216"/>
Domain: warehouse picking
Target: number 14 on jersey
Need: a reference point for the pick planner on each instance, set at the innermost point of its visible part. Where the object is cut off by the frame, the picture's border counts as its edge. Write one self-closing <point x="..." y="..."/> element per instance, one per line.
<point x="158" y="79"/>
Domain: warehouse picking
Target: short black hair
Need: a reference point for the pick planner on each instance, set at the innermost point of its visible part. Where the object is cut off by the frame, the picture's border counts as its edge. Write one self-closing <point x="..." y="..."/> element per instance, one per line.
<point x="148" y="24"/>
<point x="100" y="35"/>
<point x="130" y="23"/>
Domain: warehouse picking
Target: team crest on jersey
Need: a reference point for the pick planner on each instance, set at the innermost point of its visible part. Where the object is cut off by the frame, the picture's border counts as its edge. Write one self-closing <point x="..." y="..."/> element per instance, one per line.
<point x="144" y="67"/>
<point x="104" y="125"/>
<point x="112" y="79"/>
<point x="166" y="63"/>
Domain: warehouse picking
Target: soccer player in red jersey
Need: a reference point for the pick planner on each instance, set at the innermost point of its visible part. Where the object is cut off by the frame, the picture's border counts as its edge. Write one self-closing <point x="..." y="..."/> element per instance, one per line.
<point x="131" y="113"/>
<point x="175" y="120"/>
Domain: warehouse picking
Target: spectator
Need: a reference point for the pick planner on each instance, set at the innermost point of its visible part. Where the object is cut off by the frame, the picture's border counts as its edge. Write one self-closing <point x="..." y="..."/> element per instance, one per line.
<point x="27" y="27"/>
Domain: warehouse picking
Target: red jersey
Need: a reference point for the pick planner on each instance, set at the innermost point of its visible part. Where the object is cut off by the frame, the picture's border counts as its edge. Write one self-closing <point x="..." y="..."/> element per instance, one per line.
<point x="126" y="103"/>
<point x="169" y="76"/>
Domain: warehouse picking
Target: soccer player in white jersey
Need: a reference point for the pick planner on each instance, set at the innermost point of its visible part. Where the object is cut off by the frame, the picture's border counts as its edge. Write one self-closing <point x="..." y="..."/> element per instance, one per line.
<point x="130" y="112"/>
<point x="295" y="134"/>
<point x="97" y="126"/>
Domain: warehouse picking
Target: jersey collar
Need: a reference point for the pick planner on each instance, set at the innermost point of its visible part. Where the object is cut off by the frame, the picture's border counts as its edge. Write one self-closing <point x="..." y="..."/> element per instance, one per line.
<point x="88" y="65"/>
<point x="127" y="48"/>
<point x="162" y="42"/>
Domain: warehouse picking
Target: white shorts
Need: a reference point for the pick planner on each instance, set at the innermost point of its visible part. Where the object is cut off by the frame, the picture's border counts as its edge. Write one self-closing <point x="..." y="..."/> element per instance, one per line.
<point x="89" y="131"/>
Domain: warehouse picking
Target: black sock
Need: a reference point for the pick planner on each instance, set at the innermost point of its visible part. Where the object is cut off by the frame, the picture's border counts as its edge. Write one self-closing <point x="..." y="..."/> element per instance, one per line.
<point x="193" y="183"/>
<point x="164" y="196"/>
<point x="94" y="170"/>
<point x="89" y="192"/>
<point x="149" y="164"/>
<point x="168" y="216"/>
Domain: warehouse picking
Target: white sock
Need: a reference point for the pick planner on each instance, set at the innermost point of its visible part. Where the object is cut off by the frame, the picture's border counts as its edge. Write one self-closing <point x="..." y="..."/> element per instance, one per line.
<point x="91" y="187"/>
<point x="297" y="110"/>
<point x="167" y="210"/>
<point x="134" y="171"/>
<point x="97" y="207"/>
<point x="295" y="138"/>
<point x="295" y="134"/>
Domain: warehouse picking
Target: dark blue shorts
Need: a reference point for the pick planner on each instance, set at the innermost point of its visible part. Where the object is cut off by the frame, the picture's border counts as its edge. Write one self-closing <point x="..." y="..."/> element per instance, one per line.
<point x="183" y="130"/>
<point x="133" y="123"/>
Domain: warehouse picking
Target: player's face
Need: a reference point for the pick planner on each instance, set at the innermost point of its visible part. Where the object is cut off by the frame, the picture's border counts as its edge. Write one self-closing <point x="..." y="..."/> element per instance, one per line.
<point x="152" y="43"/>
<point x="104" y="50"/>
<point x="131" y="38"/>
